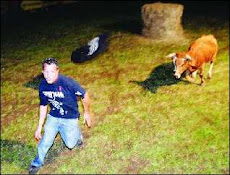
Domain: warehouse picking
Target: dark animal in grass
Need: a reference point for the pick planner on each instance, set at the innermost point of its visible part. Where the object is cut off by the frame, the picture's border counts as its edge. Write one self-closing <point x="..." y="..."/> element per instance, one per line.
<point x="92" y="49"/>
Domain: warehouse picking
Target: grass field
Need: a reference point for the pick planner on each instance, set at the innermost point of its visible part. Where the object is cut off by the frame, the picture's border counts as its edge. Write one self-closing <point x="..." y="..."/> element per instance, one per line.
<point x="144" y="120"/>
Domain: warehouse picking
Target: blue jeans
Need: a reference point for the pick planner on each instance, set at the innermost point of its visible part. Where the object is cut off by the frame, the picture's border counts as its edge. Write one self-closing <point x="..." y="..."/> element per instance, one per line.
<point x="70" y="133"/>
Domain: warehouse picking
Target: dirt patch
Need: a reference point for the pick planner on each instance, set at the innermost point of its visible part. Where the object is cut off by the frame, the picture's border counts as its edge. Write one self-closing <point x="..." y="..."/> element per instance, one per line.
<point x="10" y="116"/>
<point x="135" y="165"/>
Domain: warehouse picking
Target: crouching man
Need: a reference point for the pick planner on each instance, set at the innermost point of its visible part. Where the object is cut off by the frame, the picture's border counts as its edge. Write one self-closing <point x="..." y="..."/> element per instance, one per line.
<point x="61" y="93"/>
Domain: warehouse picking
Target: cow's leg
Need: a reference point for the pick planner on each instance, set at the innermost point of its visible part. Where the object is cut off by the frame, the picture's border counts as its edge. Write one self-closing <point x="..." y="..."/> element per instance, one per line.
<point x="210" y="70"/>
<point x="188" y="76"/>
<point x="194" y="74"/>
<point x="202" y="75"/>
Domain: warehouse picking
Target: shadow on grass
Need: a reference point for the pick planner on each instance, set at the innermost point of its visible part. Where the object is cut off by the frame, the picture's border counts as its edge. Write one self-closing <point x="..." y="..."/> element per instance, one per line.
<point x="21" y="154"/>
<point x="57" y="148"/>
<point x="160" y="76"/>
<point x="35" y="82"/>
<point x="17" y="153"/>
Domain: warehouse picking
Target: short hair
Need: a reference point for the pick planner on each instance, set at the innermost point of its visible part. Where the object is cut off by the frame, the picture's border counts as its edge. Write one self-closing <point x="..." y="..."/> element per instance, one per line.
<point x="49" y="61"/>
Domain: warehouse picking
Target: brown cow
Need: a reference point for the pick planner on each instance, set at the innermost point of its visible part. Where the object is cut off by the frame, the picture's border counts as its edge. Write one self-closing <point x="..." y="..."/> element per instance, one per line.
<point x="201" y="51"/>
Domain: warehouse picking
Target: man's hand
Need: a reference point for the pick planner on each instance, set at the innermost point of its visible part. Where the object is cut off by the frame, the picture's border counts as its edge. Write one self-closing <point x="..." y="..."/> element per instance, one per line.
<point x="38" y="134"/>
<point x="43" y="110"/>
<point x="87" y="120"/>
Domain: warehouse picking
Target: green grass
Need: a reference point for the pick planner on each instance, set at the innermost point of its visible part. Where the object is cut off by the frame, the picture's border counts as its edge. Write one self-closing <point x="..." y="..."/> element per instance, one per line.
<point x="145" y="121"/>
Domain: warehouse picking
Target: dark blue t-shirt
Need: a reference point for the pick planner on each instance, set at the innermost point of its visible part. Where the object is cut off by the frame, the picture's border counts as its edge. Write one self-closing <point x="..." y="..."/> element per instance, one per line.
<point x="62" y="96"/>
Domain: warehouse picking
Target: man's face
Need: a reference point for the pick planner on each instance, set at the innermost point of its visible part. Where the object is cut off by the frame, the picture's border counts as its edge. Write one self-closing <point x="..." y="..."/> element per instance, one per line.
<point x="50" y="73"/>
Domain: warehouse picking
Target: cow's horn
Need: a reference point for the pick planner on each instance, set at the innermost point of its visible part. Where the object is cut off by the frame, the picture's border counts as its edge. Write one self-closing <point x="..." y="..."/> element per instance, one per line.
<point x="187" y="57"/>
<point x="171" y="55"/>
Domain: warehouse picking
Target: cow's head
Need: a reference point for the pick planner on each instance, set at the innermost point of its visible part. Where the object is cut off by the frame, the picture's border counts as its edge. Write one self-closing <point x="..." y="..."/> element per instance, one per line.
<point x="181" y="63"/>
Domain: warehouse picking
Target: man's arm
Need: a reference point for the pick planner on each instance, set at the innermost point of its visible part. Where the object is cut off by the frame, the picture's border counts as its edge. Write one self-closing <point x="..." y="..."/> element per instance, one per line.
<point x="42" y="111"/>
<point x="86" y="105"/>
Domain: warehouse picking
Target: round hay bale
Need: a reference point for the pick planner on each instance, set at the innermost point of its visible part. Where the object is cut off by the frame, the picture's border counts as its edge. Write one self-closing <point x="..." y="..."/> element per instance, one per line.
<point x="162" y="21"/>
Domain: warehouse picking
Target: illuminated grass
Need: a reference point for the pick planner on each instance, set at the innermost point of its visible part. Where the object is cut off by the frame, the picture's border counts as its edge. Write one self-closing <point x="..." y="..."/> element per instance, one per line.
<point x="145" y="120"/>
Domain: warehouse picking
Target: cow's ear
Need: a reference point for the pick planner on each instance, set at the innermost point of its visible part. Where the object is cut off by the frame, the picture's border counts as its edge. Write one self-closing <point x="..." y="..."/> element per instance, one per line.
<point x="187" y="57"/>
<point x="171" y="55"/>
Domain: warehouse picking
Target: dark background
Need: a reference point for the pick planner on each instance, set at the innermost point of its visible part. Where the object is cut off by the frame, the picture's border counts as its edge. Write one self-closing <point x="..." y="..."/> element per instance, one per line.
<point x="13" y="14"/>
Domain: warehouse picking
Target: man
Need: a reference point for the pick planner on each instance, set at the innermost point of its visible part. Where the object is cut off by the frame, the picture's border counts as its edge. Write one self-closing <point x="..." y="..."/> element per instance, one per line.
<point x="61" y="93"/>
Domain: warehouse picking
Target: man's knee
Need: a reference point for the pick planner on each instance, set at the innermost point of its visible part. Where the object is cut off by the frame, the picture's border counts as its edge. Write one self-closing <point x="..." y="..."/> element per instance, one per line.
<point x="71" y="145"/>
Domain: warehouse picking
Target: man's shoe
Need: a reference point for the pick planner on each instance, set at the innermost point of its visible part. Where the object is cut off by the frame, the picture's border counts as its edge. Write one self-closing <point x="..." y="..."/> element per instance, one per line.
<point x="81" y="145"/>
<point x="33" y="169"/>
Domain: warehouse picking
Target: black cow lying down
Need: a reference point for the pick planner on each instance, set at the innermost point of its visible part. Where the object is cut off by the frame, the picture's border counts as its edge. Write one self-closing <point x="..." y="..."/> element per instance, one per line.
<point x="89" y="51"/>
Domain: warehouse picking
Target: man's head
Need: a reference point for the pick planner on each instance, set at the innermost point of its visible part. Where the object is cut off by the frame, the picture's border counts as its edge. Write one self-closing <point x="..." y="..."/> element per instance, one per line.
<point x="50" y="70"/>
